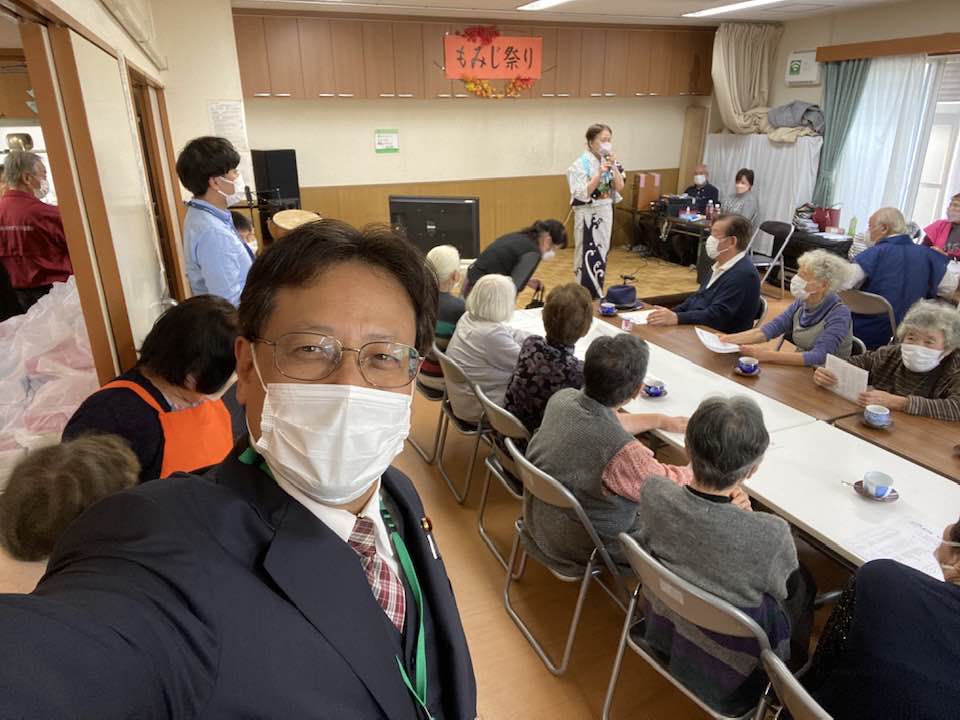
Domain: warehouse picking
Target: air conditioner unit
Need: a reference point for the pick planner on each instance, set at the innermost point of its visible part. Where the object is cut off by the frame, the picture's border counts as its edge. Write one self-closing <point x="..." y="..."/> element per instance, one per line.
<point x="802" y="68"/>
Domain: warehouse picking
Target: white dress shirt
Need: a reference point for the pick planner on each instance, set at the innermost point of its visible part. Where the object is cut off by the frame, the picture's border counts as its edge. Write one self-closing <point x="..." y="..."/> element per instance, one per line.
<point x="719" y="270"/>
<point x="341" y="521"/>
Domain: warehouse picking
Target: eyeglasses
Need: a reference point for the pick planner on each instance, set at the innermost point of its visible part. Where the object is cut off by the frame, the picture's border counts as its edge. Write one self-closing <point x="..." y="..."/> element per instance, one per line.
<point x="311" y="357"/>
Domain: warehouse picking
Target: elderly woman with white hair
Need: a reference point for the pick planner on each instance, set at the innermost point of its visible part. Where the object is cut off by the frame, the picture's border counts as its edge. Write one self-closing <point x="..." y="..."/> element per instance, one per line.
<point x="444" y="260"/>
<point x="817" y="323"/>
<point x="898" y="270"/>
<point x="921" y="374"/>
<point x="484" y="346"/>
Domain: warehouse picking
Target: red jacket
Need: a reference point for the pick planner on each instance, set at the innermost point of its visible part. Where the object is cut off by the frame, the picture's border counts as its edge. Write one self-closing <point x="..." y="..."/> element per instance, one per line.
<point x="33" y="248"/>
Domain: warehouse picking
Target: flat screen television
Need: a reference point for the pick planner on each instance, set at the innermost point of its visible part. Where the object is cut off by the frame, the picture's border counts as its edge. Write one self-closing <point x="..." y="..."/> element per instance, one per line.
<point x="431" y="221"/>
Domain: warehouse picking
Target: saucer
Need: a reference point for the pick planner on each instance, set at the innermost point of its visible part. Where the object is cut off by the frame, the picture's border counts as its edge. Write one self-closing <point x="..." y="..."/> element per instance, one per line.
<point x="608" y="315"/>
<point x="738" y="371"/>
<point x="892" y="497"/>
<point x="887" y="427"/>
<point x="656" y="397"/>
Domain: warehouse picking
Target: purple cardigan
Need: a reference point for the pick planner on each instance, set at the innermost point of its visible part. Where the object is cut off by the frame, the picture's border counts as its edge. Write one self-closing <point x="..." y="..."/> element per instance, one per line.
<point x="835" y="330"/>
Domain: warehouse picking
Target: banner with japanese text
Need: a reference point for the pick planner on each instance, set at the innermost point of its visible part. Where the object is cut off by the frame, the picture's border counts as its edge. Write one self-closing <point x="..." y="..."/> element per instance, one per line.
<point x="503" y="58"/>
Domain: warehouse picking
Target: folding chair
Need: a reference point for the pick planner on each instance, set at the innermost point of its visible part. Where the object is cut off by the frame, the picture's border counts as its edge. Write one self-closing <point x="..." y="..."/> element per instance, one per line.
<point x="859" y="347"/>
<point x="864" y="303"/>
<point x="782" y="232"/>
<point x="452" y="372"/>
<point x="537" y="484"/>
<point x="693" y="605"/>
<point x="433" y="395"/>
<point x="791" y="694"/>
<point x="761" y="313"/>
<point x="499" y="463"/>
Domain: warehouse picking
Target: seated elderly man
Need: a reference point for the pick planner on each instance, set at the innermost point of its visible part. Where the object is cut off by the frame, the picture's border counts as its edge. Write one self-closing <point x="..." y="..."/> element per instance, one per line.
<point x="591" y="449"/>
<point x="897" y="269"/>
<point x="921" y="374"/>
<point x="817" y="323"/>
<point x="746" y="558"/>
<point x="729" y="300"/>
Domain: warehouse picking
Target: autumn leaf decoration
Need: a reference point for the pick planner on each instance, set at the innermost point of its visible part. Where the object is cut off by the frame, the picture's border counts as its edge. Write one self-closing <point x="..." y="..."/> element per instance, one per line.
<point x="486" y="34"/>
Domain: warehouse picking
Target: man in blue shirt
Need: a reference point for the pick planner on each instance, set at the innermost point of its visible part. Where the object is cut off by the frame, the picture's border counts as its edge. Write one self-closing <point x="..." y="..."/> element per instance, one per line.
<point x="217" y="259"/>
<point x="897" y="269"/>
<point x="729" y="300"/>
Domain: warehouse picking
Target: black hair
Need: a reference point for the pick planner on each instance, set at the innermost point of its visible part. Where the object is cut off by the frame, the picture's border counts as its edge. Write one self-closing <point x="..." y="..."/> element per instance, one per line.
<point x="739" y="227"/>
<point x="555" y="228"/>
<point x="725" y="437"/>
<point x="315" y="247"/>
<point x="596" y="129"/>
<point x="193" y="339"/>
<point x="204" y="158"/>
<point x="614" y="367"/>
<point x="241" y="222"/>
<point x="745" y="174"/>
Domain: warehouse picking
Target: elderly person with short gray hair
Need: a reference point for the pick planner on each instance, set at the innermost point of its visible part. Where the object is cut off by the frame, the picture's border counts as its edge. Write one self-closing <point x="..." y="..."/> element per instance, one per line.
<point x="33" y="247"/>
<point x="920" y="375"/>
<point x="817" y="323"/>
<point x="746" y="558"/>
<point x="484" y="346"/>
<point x="898" y="270"/>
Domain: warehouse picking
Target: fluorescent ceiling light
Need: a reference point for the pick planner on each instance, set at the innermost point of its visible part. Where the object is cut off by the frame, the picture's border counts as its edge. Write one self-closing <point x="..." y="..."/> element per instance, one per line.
<point x="542" y="4"/>
<point x="719" y="10"/>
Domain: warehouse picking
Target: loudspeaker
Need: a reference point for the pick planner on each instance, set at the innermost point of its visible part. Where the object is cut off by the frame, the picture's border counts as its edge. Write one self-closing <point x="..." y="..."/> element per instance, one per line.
<point x="275" y="172"/>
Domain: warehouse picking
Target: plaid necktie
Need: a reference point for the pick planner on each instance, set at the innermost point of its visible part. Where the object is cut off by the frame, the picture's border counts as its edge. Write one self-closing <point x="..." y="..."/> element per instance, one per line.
<point x="386" y="586"/>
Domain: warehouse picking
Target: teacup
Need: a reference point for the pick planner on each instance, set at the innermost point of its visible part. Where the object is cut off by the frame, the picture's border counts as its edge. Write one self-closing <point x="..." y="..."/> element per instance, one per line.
<point x="876" y="415"/>
<point x="878" y="484"/>
<point x="654" y="388"/>
<point x="608" y="308"/>
<point x="748" y="365"/>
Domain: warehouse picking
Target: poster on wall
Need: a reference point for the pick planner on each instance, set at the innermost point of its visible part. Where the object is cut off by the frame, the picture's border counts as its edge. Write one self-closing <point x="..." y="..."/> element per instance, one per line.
<point x="502" y="58"/>
<point x="227" y="121"/>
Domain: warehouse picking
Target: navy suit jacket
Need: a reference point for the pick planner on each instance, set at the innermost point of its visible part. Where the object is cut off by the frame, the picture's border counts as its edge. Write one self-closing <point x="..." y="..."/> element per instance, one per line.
<point x="222" y="597"/>
<point x="730" y="305"/>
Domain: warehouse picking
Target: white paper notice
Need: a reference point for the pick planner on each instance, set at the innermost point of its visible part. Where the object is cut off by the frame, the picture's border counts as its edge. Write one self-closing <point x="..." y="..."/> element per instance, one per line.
<point x="227" y="120"/>
<point x="909" y="543"/>
<point x="712" y="342"/>
<point x="638" y="316"/>
<point x="851" y="381"/>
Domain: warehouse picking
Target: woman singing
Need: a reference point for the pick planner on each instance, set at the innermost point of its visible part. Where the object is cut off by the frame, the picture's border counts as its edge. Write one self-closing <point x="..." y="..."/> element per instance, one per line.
<point x="596" y="180"/>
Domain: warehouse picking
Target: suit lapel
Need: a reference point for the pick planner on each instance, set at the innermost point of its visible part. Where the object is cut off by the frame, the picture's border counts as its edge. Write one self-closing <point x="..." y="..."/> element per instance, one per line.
<point x="323" y="577"/>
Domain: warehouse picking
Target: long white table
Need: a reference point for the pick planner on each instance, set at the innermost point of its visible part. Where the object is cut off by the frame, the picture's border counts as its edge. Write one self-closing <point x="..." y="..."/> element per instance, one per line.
<point x="802" y="480"/>
<point x="687" y="383"/>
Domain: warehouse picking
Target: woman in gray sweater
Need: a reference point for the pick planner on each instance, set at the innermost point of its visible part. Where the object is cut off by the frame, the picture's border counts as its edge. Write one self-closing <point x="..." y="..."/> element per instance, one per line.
<point x="744" y="202"/>
<point x="746" y="558"/>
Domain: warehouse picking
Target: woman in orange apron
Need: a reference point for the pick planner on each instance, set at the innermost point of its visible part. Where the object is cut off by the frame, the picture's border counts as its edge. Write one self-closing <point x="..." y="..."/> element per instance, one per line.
<point x="169" y="407"/>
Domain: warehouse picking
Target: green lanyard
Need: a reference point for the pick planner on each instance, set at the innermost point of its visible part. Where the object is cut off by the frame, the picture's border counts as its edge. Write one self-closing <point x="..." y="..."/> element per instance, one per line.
<point x="252" y="457"/>
<point x="406" y="564"/>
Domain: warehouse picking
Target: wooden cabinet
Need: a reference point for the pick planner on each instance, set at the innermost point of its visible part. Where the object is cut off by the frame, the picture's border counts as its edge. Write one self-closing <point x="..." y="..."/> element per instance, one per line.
<point x="592" y="55"/>
<point x="546" y="86"/>
<point x="435" y="82"/>
<point x="568" y="62"/>
<point x="378" y="59"/>
<point x="660" y="63"/>
<point x="283" y="57"/>
<point x="408" y="59"/>
<point x="703" y="62"/>
<point x="316" y="58"/>
<point x="681" y="72"/>
<point x="252" y="55"/>
<point x="347" y="41"/>
<point x="615" y="63"/>
<point x="639" y="43"/>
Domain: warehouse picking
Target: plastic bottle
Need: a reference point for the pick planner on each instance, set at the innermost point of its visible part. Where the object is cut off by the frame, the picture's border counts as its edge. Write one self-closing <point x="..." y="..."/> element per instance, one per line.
<point x="852" y="230"/>
<point x="710" y="210"/>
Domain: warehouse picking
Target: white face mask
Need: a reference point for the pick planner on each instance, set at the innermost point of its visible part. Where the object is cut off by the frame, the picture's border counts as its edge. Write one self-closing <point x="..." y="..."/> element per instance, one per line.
<point x="920" y="359"/>
<point x="699" y="179"/>
<point x="331" y="442"/>
<point x="42" y="191"/>
<point x="549" y="255"/>
<point x="798" y="288"/>
<point x="606" y="148"/>
<point x="238" y="194"/>
<point x="712" y="247"/>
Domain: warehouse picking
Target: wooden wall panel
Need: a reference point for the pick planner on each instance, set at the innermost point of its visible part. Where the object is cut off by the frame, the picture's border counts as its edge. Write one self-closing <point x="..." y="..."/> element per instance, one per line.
<point x="506" y="204"/>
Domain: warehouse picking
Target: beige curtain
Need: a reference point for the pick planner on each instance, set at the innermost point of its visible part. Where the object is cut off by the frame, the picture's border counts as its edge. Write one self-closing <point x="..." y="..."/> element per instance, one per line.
<point x="742" y="59"/>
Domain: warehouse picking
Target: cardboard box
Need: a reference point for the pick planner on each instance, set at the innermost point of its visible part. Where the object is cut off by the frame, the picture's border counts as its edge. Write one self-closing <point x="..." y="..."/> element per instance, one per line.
<point x="646" y="189"/>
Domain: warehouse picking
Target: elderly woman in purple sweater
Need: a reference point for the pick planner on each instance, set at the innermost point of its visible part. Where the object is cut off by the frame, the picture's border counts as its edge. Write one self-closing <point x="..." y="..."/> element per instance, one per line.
<point x="817" y="323"/>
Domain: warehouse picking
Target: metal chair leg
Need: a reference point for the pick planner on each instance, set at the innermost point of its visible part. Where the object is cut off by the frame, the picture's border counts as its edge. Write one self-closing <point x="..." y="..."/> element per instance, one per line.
<point x="428" y="459"/>
<point x="574" y="623"/>
<point x="459" y="495"/>
<point x="480" y="528"/>
<point x="618" y="659"/>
